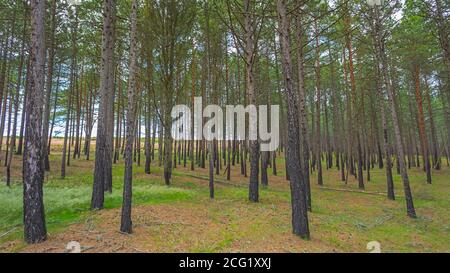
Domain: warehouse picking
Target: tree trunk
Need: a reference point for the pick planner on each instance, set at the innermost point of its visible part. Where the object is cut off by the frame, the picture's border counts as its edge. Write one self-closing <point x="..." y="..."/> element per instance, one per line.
<point x="51" y="55"/>
<point x="422" y="134"/>
<point x="302" y="107"/>
<point x="389" y="179"/>
<point x="378" y="45"/>
<point x="103" y="160"/>
<point x="66" y="145"/>
<point x="353" y="96"/>
<point x="297" y="181"/>
<point x="318" y="97"/>
<point x="252" y="95"/>
<point x="33" y="204"/>
<point x="126" y="223"/>
<point x="16" y="107"/>
<point x="434" y="140"/>
<point x="398" y="139"/>
<point x="24" y="108"/>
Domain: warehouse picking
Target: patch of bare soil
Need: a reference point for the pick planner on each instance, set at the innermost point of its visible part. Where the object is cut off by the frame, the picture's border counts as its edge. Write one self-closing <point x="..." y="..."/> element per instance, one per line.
<point x="179" y="228"/>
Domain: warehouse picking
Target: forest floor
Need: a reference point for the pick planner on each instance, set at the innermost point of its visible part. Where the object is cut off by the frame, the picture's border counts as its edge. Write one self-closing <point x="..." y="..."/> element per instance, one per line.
<point x="182" y="218"/>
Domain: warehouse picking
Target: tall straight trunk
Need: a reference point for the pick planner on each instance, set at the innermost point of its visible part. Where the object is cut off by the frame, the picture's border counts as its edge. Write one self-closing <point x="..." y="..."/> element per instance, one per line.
<point x="228" y="144"/>
<point x="313" y="133"/>
<point x="123" y="129"/>
<point x="126" y="223"/>
<point x="119" y="118"/>
<point x="148" y="120"/>
<point x="24" y="108"/>
<point x="16" y="107"/>
<point x="138" y="135"/>
<point x="90" y="120"/>
<point x="338" y="118"/>
<point x="52" y="125"/>
<point x="8" y="130"/>
<point x="398" y="139"/>
<point x="203" y="93"/>
<point x="357" y="133"/>
<point x="67" y="144"/>
<point x="302" y="107"/>
<point x="168" y="146"/>
<point x="185" y="151"/>
<point x="211" y="144"/>
<point x="5" y="77"/>
<point x="422" y="135"/>
<point x="153" y="136"/>
<point x="329" y="158"/>
<point x="33" y="169"/>
<point x="235" y="148"/>
<point x="147" y="147"/>
<point x="51" y="57"/>
<point x="241" y="148"/>
<point x="400" y="158"/>
<point x="211" y="169"/>
<point x="77" y="113"/>
<point x="103" y="160"/>
<point x="300" y="224"/>
<point x="70" y="118"/>
<point x="193" y="88"/>
<point x="265" y="155"/>
<point x="434" y="140"/>
<point x="264" y="165"/>
<point x="385" y="146"/>
<point x="160" y="144"/>
<point x="374" y="121"/>
<point x="87" y="94"/>
<point x="349" y="128"/>
<point x="83" y="98"/>
<point x="168" y="78"/>
<point x="318" y="97"/>
<point x="252" y="95"/>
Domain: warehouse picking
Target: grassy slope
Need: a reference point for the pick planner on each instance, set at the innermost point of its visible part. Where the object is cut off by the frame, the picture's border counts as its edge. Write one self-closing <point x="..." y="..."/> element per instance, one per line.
<point x="341" y="220"/>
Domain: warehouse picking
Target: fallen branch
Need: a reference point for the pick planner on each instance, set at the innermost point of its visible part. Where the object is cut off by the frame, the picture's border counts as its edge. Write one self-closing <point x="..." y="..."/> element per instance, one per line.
<point x="216" y="180"/>
<point x="356" y="191"/>
<point x="83" y="249"/>
<point x="8" y="232"/>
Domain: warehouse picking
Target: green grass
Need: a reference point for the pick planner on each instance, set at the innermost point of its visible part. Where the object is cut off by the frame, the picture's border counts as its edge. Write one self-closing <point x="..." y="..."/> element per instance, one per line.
<point x="68" y="200"/>
<point x="344" y="221"/>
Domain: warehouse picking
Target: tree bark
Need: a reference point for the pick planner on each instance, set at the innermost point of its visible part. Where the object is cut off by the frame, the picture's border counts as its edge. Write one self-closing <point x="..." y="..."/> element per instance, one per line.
<point x="398" y="139"/>
<point x="297" y="180"/>
<point x="385" y="147"/>
<point x="434" y="140"/>
<point x="422" y="135"/>
<point x="33" y="170"/>
<point x="318" y="97"/>
<point x="12" y="145"/>
<point x="302" y="107"/>
<point x="51" y="55"/>
<point x="126" y="223"/>
<point x="103" y="149"/>
<point x="252" y="95"/>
